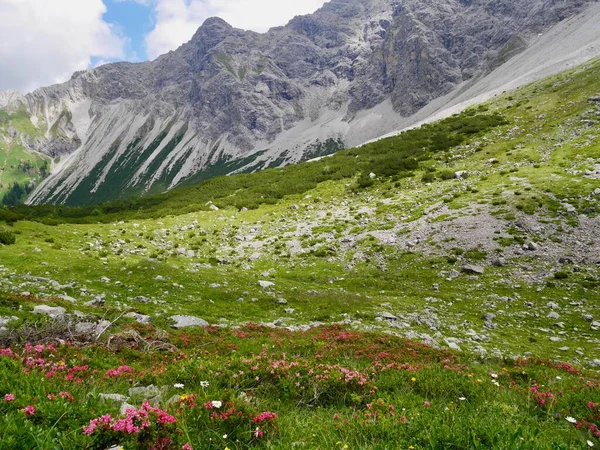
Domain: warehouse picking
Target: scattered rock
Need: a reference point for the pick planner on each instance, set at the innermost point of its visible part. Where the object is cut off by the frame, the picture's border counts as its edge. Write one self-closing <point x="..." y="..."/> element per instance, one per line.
<point x="145" y="393"/>
<point x="265" y="284"/>
<point x="140" y="318"/>
<point x="188" y="321"/>
<point x="141" y="299"/>
<point x="499" y="262"/>
<point x="387" y="316"/>
<point x="118" y="398"/>
<point x="98" y="302"/>
<point x="124" y="407"/>
<point x="52" y="311"/>
<point x="473" y="269"/>
<point x="553" y="315"/>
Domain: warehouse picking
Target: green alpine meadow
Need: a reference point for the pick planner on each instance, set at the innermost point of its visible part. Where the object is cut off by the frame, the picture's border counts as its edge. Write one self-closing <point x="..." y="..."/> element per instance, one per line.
<point x="434" y="290"/>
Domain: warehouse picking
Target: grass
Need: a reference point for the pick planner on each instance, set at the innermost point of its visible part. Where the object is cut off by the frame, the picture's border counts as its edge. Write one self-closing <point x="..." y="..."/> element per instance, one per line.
<point x="324" y="388"/>
<point x="339" y="256"/>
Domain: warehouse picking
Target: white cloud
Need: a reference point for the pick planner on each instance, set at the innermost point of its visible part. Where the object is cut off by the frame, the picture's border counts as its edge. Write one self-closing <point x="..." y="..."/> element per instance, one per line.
<point x="45" y="41"/>
<point x="178" y="20"/>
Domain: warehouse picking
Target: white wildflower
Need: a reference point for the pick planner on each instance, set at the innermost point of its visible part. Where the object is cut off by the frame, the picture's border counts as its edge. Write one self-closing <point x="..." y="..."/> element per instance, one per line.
<point x="571" y="419"/>
<point x="216" y="404"/>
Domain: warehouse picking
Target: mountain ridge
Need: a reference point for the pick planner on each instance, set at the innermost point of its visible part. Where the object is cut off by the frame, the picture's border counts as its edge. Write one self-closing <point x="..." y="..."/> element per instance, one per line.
<point x="232" y="100"/>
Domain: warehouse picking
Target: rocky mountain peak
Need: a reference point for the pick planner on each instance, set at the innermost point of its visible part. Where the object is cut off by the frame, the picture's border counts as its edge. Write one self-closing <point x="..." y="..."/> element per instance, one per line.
<point x="233" y="100"/>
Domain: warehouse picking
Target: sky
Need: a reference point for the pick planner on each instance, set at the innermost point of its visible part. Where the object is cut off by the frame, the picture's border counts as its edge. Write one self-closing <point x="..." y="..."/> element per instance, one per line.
<point x="42" y="42"/>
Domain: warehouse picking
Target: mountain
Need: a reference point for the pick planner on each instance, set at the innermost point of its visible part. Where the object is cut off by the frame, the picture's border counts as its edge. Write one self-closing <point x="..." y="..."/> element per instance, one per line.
<point x="232" y="100"/>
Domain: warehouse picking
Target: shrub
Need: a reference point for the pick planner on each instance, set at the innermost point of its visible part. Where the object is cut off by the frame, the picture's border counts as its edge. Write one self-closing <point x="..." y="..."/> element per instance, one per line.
<point x="561" y="275"/>
<point x="428" y="177"/>
<point x="7" y="237"/>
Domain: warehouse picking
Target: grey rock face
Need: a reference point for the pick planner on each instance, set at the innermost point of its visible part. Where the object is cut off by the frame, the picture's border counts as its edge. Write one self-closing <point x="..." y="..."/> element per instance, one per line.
<point x="226" y="98"/>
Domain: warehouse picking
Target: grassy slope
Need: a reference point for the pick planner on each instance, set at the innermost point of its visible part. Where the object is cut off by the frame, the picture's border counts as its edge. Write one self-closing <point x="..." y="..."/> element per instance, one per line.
<point x="341" y="256"/>
<point x="18" y="165"/>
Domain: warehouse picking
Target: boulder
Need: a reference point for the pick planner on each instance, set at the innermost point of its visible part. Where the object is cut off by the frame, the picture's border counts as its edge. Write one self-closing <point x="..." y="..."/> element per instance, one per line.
<point x="52" y="311"/>
<point x="473" y="269"/>
<point x="188" y="321"/>
<point x="140" y="318"/>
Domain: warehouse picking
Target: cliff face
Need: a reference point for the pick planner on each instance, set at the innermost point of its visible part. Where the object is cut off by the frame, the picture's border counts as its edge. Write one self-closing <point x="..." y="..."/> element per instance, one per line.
<point x="237" y="100"/>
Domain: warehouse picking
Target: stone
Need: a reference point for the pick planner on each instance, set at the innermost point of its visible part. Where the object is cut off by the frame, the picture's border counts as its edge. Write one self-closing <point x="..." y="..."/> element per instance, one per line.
<point x="588" y="317"/>
<point x="144" y="392"/>
<point x="530" y="246"/>
<point x="124" y="407"/>
<point x="461" y="174"/>
<point x="98" y="302"/>
<point x="552" y="305"/>
<point x="387" y="316"/>
<point x="473" y="269"/>
<point x="213" y="208"/>
<point x="67" y="298"/>
<point x="141" y="299"/>
<point x="453" y="274"/>
<point x="52" y="311"/>
<point x="118" y="398"/>
<point x="265" y="284"/>
<point x="188" y="321"/>
<point x="85" y="328"/>
<point x="498" y="262"/>
<point x="140" y="318"/>
<point x="553" y="315"/>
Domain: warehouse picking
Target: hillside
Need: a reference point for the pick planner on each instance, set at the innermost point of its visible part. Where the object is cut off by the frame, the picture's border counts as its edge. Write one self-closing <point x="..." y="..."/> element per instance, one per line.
<point x="236" y="101"/>
<point x="448" y="275"/>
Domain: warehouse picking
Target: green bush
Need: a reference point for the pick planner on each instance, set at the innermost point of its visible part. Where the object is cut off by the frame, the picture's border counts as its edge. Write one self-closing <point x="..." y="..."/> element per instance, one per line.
<point x="7" y="237"/>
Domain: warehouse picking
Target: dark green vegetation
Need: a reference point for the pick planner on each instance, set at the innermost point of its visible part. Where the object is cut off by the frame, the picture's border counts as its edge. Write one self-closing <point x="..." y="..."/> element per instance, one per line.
<point x="392" y="158"/>
<point x="20" y="169"/>
<point x="16" y="194"/>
